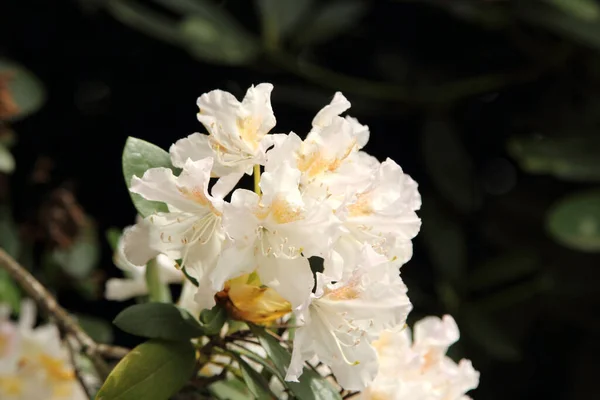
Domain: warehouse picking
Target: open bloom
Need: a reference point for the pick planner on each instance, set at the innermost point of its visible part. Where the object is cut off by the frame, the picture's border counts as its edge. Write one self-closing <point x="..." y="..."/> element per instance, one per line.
<point x="344" y="318"/>
<point x="191" y="231"/>
<point x="419" y="369"/>
<point x="34" y="364"/>
<point x="237" y="134"/>
<point x="273" y="234"/>
<point x="381" y="214"/>
<point x="134" y="284"/>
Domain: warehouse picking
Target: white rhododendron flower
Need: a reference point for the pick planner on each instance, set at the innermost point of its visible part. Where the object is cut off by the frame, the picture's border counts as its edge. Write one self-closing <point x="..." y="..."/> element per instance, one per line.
<point x="190" y="231"/>
<point x="419" y="369"/>
<point x="34" y="363"/>
<point x="343" y="318"/>
<point x="237" y="134"/>
<point x="273" y="234"/>
<point x="134" y="284"/>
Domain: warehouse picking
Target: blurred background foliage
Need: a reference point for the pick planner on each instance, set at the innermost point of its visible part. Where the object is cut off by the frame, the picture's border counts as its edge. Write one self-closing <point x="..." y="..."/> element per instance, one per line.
<point x="491" y="105"/>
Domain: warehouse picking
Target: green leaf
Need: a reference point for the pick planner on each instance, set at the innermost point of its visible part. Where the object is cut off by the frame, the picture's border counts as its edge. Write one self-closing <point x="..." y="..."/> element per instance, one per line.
<point x="83" y="255"/>
<point x="154" y="370"/>
<point x="213" y="320"/>
<point x="331" y="20"/>
<point x="231" y="389"/>
<point x="212" y="35"/>
<point x="503" y="269"/>
<point x="145" y="20"/>
<point x="7" y="161"/>
<point x="449" y="164"/>
<point x="486" y="333"/>
<point x="138" y="157"/>
<point x="25" y="89"/>
<point x="280" y="17"/>
<point x="99" y="329"/>
<point x="575" y="221"/>
<point x="312" y="386"/>
<point x="158" y="291"/>
<point x="256" y="383"/>
<point x="583" y="9"/>
<point x="570" y="157"/>
<point x="159" y="321"/>
<point x="9" y="234"/>
<point x="9" y="291"/>
<point x="113" y="235"/>
<point x="586" y="32"/>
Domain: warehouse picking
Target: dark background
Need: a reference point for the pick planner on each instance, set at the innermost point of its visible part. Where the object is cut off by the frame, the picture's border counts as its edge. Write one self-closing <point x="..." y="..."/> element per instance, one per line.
<point x="485" y="103"/>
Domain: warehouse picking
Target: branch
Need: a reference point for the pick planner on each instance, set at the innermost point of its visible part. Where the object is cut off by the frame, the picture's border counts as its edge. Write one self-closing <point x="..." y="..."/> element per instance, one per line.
<point x="46" y="301"/>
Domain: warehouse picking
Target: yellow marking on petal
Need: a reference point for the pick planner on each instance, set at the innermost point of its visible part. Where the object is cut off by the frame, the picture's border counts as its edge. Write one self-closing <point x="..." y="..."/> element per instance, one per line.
<point x="350" y="291"/>
<point x="11" y="385"/>
<point x="281" y="211"/>
<point x="56" y="368"/>
<point x="248" y="128"/>
<point x="361" y="207"/>
<point x="317" y="163"/>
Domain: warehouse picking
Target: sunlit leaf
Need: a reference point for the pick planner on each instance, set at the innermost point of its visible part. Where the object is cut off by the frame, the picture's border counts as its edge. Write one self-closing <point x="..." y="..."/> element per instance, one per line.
<point x="112" y="236"/>
<point x="158" y="290"/>
<point x="213" y="320"/>
<point x="570" y="157"/>
<point x="158" y="321"/>
<point x="575" y="221"/>
<point x="7" y="161"/>
<point x="449" y="165"/>
<point x="256" y="383"/>
<point x="154" y="370"/>
<point x="25" y="91"/>
<point x="231" y="389"/>
<point x="138" y="157"/>
<point x="330" y="20"/>
<point x="82" y="256"/>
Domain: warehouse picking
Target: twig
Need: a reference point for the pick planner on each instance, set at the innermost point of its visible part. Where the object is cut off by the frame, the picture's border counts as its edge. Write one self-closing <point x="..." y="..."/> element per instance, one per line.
<point x="109" y="351"/>
<point x="64" y="321"/>
<point x="78" y="375"/>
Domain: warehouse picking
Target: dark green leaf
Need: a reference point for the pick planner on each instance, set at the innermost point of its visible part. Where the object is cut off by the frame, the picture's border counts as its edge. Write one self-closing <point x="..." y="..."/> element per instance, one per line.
<point x="112" y="236"/>
<point x="484" y="331"/>
<point x="312" y="386"/>
<point x="570" y="157"/>
<point x="7" y="161"/>
<point x="212" y="35"/>
<point x="82" y="256"/>
<point x="9" y="291"/>
<point x="9" y="235"/>
<point x="331" y="20"/>
<point x="99" y="329"/>
<point x="158" y="321"/>
<point x="449" y="164"/>
<point x="575" y="221"/>
<point x="138" y="157"/>
<point x="25" y="89"/>
<point x="583" y="9"/>
<point x="232" y="389"/>
<point x="255" y="382"/>
<point x="213" y="320"/>
<point x="445" y="240"/>
<point x="502" y="269"/>
<point x="154" y="370"/>
<point x="280" y="17"/>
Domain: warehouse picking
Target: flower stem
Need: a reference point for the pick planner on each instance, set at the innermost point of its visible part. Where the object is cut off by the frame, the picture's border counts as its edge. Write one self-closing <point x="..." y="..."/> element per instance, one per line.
<point x="157" y="290"/>
<point x="257" y="179"/>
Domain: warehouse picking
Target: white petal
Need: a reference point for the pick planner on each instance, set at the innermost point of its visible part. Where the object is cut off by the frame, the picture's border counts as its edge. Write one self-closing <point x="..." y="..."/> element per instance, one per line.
<point x="217" y="113"/>
<point x="168" y="271"/>
<point x="338" y="105"/>
<point x="27" y="315"/>
<point x="194" y="147"/>
<point x="233" y="262"/>
<point x="359" y="375"/>
<point x="361" y="132"/>
<point x="225" y="184"/>
<point x="239" y="220"/>
<point x="124" y="289"/>
<point x="257" y="103"/>
<point x="291" y="278"/>
<point x="436" y="332"/>
<point x="302" y="351"/>
<point x="159" y="184"/>
<point x="136" y="244"/>
<point x="186" y="299"/>
<point x="282" y="181"/>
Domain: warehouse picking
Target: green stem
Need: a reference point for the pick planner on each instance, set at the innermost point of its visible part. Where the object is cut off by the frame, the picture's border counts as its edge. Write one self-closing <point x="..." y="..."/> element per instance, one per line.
<point x="158" y="291"/>
<point x="257" y="179"/>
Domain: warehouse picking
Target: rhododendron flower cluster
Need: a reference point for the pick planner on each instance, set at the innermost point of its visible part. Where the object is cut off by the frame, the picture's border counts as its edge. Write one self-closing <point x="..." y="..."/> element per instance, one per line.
<point x="318" y="197"/>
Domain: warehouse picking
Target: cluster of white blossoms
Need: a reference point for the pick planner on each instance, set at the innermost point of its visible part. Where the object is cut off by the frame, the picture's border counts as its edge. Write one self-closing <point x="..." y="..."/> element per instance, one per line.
<point x="318" y="197"/>
<point x="34" y="362"/>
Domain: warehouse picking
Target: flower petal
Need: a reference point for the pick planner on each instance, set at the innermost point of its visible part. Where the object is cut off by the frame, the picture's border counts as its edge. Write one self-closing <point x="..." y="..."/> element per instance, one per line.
<point x="124" y="289"/>
<point x="291" y="278"/>
<point x="195" y="147"/>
